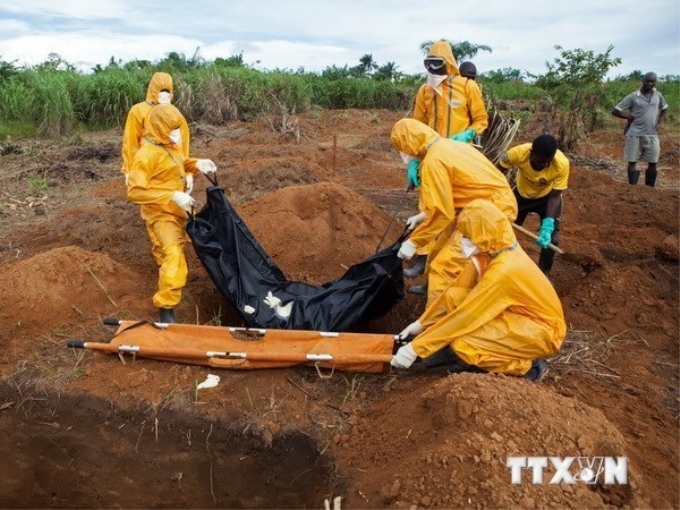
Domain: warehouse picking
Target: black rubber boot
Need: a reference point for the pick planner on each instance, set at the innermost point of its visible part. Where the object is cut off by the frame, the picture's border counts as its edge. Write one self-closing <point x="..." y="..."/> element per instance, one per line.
<point x="461" y="368"/>
<point x="545" y="260"/>
<point x="167" y="316"/>
<point x="539" y="369"/>
<point x="650" y="178"/>
<point x="416" y="269"/>
<point x="633" y="176"/>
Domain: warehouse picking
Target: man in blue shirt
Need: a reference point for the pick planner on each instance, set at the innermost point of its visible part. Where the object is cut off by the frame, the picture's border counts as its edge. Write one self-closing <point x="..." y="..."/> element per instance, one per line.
<point x="644" y="110"/>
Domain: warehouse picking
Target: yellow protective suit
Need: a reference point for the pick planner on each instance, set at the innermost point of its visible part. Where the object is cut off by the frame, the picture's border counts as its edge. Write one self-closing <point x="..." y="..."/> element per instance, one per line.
<point x="501" y="316"/>
<point x="452" y="175"/>
<point x="136" y="120"/>
<point x="158" y="170"/>
<point x="456" y="104"/>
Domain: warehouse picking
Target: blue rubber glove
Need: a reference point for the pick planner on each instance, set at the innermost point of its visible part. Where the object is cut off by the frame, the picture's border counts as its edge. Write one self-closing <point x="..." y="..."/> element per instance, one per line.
<point x="464" y="136"/>
<point x="545" y="233"/>
<point x="413" y="174"/>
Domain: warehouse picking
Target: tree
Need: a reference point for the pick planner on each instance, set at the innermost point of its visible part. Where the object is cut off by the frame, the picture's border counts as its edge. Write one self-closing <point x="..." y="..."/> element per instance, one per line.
<point x="463" y="50"/>
<point x="386" y="72"/>
<point x="336" y="73"/>
<point x="366" y="65"/>
<point x="54" y="62"/>
<point x="507" y="74"/>
<point x="137" y="65"/>
<point x="113" y="64"/>
<point x="233" y="61"/>
<point x="575" y="83"/>
<point x="635" y="75"/>
<point x="7" y="69"/>
<point x="180" y="62"/>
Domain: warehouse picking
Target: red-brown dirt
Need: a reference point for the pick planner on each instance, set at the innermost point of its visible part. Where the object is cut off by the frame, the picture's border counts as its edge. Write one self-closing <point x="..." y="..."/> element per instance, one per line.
<point x="88" y="430"/>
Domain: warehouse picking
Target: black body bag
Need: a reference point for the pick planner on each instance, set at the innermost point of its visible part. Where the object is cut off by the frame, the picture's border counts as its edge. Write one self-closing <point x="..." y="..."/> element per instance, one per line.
<point x="252" y="283"/>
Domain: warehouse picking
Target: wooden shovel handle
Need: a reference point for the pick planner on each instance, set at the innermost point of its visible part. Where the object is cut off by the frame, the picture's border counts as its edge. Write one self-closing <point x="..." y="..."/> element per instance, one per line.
<point x="534" y="236"/>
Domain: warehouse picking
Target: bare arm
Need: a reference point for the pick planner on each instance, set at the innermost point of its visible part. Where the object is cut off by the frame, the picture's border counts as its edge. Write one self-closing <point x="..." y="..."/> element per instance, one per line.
<point x="662" y="116"/>
<point x="554" y="206"/>
<point x="622" y="115"/>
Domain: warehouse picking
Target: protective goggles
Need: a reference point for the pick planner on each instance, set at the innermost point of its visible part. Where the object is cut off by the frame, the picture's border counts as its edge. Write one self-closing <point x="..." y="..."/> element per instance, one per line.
<point x="434" y="64"/>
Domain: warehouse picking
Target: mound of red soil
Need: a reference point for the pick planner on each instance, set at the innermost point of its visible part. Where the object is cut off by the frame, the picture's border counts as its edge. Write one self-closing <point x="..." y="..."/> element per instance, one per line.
<point x="62" y="286"/>
<point x="446" y="446"/>
<point x="305" y="229"/>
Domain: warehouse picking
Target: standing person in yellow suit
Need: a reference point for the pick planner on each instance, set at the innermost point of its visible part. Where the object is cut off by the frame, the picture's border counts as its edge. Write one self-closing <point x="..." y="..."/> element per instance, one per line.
<point x="157" y="182"/>
<point x="159" y="91"/>
<point x="453" y="174"/>
<point x="500" y="315"/>
<point x="450" y="104"/>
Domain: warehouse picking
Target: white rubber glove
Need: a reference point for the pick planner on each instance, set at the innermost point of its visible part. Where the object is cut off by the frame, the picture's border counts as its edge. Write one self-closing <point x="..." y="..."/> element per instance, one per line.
<point x="206" y="166"/>
<point x="183" y="200"/>
<point x="416" y="220"/>
<point x="189" y="182"/>
<point x="404" y="358"/>
<point x="271" y="300"/>
<point x="407" y="250"/>
<point x="413" y="329"/>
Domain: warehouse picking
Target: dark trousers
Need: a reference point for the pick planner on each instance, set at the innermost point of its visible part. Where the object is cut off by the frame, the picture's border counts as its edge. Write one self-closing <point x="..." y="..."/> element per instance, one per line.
<point x="539" y="206"/>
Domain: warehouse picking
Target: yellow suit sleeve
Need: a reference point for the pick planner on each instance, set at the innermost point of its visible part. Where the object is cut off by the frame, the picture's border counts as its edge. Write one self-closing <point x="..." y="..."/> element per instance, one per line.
<point x="186" y="137"/>
<point x="451" y="298"/>
<point x="420" y="107"/>
<point x="436" y="201"/>
<point x="132" y="134"/>
<point x="488" y="299"/>
<point x="478" y="114"/>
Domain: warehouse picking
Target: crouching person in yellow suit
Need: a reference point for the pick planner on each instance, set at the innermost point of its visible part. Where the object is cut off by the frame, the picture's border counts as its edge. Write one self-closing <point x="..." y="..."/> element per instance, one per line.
<point x="500" y="315"/>
<point x="161" y="180"/>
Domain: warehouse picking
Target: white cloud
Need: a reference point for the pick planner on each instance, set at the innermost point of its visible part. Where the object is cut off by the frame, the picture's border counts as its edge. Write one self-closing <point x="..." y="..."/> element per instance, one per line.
<point x="315" y="34"/>
<point x="84" y="51"/>
<point x="78" y="9"/>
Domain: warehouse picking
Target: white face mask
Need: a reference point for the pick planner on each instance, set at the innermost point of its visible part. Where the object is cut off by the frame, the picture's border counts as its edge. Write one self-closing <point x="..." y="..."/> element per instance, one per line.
<point x="164" y="97"/>
<point x="468" y="247"/>
<point x="176" y="137"/>
<point x="406" y="158"/>
<point x="434" y="80"/>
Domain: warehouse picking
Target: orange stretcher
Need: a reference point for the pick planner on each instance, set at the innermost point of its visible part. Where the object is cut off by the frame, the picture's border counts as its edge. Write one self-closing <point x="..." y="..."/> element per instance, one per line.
<point x="247" y="348"/>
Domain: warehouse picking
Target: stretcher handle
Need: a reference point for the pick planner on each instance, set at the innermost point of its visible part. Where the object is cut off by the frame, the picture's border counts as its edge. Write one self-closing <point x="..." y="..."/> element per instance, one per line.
<point x="217" y="356"/>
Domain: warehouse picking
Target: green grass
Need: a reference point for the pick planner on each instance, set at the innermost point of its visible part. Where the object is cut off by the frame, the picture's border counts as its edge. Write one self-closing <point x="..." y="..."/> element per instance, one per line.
<point x="56" y="104"/>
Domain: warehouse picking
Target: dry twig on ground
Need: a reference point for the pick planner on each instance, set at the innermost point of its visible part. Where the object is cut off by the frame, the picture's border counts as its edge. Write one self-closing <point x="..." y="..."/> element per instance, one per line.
<point x="582" y="354"/>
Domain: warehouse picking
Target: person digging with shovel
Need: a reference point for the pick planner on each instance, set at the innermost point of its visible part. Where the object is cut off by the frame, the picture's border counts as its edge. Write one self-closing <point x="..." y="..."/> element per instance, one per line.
<point x="160" y="181"/>
<point x="500" y="315"/>
<point x="542" y="176"/>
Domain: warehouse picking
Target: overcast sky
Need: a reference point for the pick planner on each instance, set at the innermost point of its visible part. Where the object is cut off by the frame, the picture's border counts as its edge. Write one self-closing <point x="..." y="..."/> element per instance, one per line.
<point x="315" y="34"/>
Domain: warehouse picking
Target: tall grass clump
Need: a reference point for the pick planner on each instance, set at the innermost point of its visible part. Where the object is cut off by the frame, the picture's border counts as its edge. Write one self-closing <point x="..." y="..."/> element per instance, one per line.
<point x="42" y="99"/>
<point x="49" y="102"/>
<point x="102" y="100"/>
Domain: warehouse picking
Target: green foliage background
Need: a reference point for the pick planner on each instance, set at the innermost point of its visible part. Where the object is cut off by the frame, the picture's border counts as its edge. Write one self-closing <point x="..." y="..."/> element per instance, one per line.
<point x="53" y="99"/>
